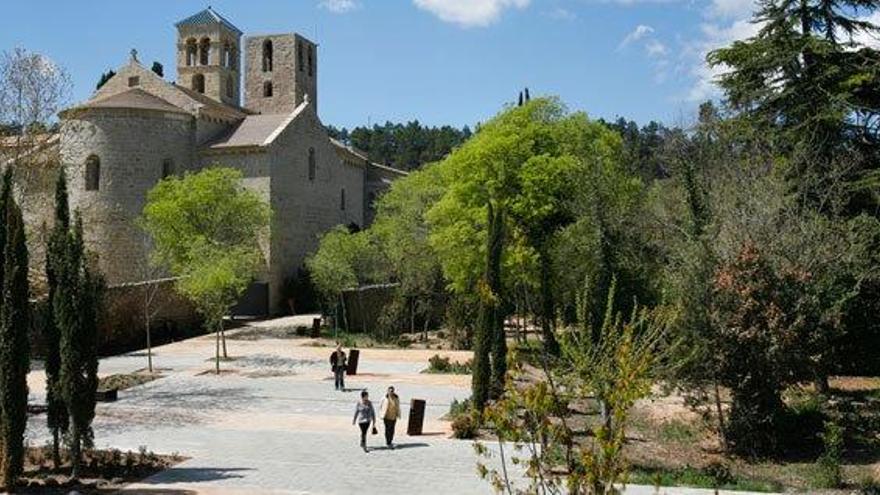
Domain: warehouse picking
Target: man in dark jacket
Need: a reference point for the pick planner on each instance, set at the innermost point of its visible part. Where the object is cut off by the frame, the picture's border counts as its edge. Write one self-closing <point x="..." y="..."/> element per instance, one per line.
<point x="337" y="365"/>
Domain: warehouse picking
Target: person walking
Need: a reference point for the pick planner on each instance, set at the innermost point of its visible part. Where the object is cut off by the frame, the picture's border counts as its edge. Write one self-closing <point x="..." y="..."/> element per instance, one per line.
<point x="364" y="415"/>
<point x="338" y="366"/>
<point x="390" y="411"/>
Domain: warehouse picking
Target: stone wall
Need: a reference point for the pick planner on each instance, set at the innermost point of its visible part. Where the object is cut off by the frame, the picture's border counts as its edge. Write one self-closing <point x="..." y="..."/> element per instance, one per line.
<point x="131" y="146"/>
<point x="122" y="328"/>
<point x="304" y="209"/>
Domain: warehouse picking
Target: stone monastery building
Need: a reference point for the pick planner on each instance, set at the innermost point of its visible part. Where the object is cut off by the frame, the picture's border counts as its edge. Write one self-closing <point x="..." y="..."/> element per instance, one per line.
<point x="138" y="128"/>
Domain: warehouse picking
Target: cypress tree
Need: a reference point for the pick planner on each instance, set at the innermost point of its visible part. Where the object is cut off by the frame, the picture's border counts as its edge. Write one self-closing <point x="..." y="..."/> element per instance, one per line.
<point x="76" y="301"/>
<point x="496" y="309"/>
<point x="14" y="346"/>
<point x="484" y="334"/>
<point x="56" y="416"/>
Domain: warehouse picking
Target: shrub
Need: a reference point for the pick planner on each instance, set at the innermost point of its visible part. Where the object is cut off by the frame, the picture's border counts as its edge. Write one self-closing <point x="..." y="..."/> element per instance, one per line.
<point x="464" y="426"/>
<point x="301" y="330"/>
<point x="443" y="365"/>
<point x="403" y="341"/>
<point x="827" y="473"/>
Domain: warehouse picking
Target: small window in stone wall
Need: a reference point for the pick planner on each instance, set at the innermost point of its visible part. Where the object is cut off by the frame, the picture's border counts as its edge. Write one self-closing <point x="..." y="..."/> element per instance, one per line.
<point x="230" y="86"/>
<point x="312" y="165"/>
<point x="342" y="199"/>
<point x="299" y="56"/>
<point x="311" y="61"/>
<point x="267" y="56"/>
<point x="134" y="81"/>
<point x="167" y="167"/>
<point x="198" y="83"/>
<point x="267" y="89"/>
<point x="93" y="173"/>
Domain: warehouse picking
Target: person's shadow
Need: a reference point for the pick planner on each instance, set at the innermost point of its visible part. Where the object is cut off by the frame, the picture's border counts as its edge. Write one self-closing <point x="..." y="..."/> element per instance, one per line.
<point x="398" y="446"/>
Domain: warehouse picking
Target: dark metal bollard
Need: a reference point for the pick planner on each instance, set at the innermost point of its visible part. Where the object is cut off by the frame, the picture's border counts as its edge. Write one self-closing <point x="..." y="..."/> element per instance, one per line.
<point x="352" y="368"/>
<point x="106" y="395"/>
<point x="416" y="417"/>
<point x="316" y="328"/>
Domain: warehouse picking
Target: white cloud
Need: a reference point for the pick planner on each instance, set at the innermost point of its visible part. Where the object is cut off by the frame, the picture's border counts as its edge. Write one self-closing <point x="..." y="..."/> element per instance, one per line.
<point x="714" y="36"/>
<point x="338" y="6"/>
<point x="731" y="9"/>
<point x="638" y="33"/>
<point x="469" y="13"/>
<point x="561" y="14"/>
<point x="869" y="39"/>
<point x="656" y="48"/>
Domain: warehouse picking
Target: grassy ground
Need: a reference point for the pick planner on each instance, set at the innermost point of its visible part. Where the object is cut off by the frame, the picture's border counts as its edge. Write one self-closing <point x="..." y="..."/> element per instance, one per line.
<point x="126" y="380"/>
<point x="671" y="445"/>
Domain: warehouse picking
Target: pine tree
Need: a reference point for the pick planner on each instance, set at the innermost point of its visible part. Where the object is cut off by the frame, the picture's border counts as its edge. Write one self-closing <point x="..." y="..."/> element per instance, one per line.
<point x="57" y="417"/>
<point x="14" y="346"/>
<point x="76" y="301"/>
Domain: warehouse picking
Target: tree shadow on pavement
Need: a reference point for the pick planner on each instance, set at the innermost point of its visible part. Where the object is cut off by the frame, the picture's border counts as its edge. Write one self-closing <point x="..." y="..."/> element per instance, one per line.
<point x="195" y="475"/>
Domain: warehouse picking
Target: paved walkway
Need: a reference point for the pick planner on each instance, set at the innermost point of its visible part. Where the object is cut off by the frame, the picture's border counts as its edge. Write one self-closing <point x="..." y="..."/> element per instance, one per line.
<point x="273" y="423"/>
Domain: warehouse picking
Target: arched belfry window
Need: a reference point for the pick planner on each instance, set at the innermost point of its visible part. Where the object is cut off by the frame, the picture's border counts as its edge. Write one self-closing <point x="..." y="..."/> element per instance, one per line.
<point x="230" y="87"/>
<point x="267" y="89"/>
<point x="204" y="51"/>
<point x="267" y="56"/>
<point x="93" y="173"/>
<point x="311" y="61"/>
<point x="191" y="52"/>
<point x="312" y="165"/>
<point x="299" y="55"/>
<point x="227" y="55"/>
<point x="198" y="83"/>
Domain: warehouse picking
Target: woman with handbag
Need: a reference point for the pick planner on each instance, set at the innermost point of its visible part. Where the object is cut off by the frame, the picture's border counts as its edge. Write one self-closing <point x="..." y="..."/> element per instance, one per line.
<point x="364" y="415"/>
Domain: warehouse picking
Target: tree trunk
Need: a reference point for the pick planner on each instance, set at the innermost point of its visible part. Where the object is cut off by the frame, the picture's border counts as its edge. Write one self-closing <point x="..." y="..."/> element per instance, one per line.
<point x="548" y="307"/>
<point x="75" y="451"/>
<point x="822" y="385"/>
<point x="223" y="339"/>
<point x="56" y="448"/>
<point x="149" y="344"/>
<point x="217" y="350"/>
<point x="720" y="412"/>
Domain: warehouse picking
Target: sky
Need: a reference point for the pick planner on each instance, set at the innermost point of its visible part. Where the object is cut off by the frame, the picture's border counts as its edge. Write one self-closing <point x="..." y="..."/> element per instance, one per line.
<point x="455" y="62"/>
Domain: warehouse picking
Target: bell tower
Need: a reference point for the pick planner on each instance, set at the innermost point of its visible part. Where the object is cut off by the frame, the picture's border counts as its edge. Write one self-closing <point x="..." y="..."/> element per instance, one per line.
<point x="281" y="72"/>
<point x="208" y="56"/>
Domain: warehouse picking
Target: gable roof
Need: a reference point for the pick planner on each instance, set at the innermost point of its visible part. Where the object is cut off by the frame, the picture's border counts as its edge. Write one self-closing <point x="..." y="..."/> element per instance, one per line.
<point x="207" y="16"/>
<point x="257" y="130"/>
<point x="134" y="98"/>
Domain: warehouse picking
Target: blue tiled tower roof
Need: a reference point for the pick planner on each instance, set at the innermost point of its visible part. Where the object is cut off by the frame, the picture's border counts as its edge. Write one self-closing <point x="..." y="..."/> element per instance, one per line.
<point x="207" y="16"/>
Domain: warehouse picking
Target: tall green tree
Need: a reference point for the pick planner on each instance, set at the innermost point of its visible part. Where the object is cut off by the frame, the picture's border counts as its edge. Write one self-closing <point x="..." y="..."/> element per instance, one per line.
<point x="76" y="304"/>
<point x="805" y="79"/>
<point x="56" y="415"/>
<point x="14" y="346"/>
<point x="207" y="228"/>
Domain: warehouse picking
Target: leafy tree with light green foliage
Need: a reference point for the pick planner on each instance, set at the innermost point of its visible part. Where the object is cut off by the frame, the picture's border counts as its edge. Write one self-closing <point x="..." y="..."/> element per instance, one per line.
<point x="343" y="260"/>
<point x="401" y="230"/>
<point x="206" y="229"/>
<point x="526" y="162"/>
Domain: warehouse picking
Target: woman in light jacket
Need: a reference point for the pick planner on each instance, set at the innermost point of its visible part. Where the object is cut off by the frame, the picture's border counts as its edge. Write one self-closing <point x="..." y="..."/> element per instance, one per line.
<point x="364" y="415"/>
<point x="390" y="412"/>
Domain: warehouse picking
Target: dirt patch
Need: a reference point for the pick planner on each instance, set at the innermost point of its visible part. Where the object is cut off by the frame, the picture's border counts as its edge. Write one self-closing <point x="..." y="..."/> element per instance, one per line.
<point x="103" y="471"/>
